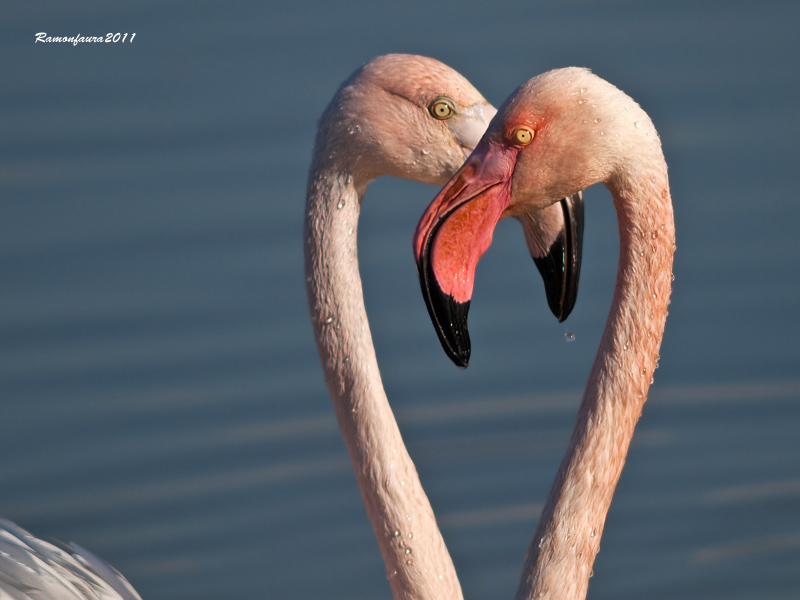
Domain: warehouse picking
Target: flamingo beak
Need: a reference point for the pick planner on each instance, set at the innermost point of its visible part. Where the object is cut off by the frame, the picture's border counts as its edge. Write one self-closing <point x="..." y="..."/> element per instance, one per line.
<point x="453" y="233"/>
<point x="469" y="127"/>
<point x="559" y="263"/>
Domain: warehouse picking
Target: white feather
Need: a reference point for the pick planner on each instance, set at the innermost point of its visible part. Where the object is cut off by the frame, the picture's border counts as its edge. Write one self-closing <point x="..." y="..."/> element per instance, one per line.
<point x="32" y="569"/>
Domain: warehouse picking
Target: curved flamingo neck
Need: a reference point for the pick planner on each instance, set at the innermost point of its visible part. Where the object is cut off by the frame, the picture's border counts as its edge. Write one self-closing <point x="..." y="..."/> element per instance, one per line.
<point x="559" y="561"/>
<point x="418" y="565"/>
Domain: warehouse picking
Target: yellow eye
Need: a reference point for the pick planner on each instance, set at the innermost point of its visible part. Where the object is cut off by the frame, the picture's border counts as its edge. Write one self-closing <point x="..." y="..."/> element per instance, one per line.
<point x="522" y="136"/>
<point x="441" y="108"/>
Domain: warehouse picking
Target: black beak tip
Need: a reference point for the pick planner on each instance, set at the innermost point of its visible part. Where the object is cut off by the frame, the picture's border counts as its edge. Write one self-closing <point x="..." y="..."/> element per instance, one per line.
<point x="561" y="267"/>
<point x="449" y="317"/>
<point x="459" y="357"/>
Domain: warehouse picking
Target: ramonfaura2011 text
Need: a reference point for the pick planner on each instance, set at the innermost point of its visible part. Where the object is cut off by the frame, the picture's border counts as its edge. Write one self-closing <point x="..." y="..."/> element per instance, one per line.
<point x="110" y="38"/>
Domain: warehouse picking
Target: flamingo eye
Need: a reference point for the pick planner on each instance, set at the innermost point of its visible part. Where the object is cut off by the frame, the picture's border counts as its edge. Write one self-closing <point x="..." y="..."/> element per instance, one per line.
<point x="441" y="108"/>
<point x="522" y="136"/>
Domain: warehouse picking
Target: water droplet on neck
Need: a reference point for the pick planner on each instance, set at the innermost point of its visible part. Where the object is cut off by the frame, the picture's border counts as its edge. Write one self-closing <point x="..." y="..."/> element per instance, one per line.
<point x="425" y="152"/>
<point x="350" y="231"/>
<point x="583" y="90"/>
<point x="569" y="337"/>
<point x="341" y="203"/>
<point x="637" y="125"/>
<point x="408" y="551"/>
<point x="396" y="533"/>
<point x="581" y="101"/>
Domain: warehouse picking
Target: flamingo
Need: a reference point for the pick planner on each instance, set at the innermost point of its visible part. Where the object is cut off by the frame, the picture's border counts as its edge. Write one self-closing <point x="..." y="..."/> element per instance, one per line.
<point x="411" y="117"/>
<point x="559" y="133"/>
<point x="32" y="569"/>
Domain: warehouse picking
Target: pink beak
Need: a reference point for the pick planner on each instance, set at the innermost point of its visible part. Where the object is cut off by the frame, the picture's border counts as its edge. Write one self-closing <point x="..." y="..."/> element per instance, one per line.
<point x="454" y="232"/>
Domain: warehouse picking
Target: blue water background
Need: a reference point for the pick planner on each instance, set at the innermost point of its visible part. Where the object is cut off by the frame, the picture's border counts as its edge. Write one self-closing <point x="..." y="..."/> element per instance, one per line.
<point x="161" y="400"/>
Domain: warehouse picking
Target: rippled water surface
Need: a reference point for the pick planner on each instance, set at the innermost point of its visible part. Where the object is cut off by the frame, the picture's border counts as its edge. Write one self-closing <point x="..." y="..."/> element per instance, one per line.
<point x="161" y="397"/>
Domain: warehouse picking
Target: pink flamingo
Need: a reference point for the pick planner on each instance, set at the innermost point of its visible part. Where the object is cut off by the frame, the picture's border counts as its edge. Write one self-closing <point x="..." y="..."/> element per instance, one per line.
<point x="410" y="117"/>
<point x="559" y="133"/>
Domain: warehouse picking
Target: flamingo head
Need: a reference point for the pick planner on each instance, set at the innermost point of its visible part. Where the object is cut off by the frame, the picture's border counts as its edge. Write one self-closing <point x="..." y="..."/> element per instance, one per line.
<point x="407" y="116"/>
<point x="554" y="136"/>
